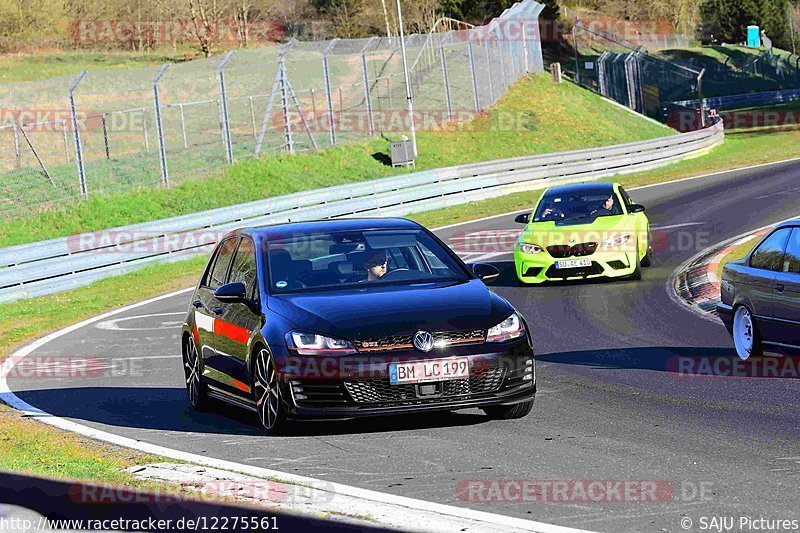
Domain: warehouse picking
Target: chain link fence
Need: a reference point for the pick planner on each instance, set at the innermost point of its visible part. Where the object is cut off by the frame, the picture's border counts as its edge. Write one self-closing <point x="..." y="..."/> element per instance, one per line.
<point x="68" y="138"/>
<point x="630" y="75"/>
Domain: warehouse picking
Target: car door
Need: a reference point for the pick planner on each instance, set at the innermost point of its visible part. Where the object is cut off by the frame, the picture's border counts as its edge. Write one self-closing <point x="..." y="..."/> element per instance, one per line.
<point x="756" y="284"/>
<point x="786" y="294"/>
<point x="205" y="302"/>
<point x="210" y="310"/>
<point x="238" y="322"/>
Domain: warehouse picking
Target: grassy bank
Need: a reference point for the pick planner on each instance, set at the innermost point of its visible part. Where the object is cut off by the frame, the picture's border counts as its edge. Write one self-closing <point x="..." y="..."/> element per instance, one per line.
<point x="535" y="116"/>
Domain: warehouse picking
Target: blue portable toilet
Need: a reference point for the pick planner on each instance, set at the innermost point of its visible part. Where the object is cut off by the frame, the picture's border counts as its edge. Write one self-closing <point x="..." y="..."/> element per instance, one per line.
<point x="753" y="37"/>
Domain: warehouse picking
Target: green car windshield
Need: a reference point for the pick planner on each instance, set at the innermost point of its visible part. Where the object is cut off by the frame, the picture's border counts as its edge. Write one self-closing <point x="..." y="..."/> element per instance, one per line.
<point x="574" y="207"/>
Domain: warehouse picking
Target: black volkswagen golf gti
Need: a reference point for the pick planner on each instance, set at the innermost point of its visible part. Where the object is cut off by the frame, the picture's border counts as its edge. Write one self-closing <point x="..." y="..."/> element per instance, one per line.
<point x="349" y="318"/>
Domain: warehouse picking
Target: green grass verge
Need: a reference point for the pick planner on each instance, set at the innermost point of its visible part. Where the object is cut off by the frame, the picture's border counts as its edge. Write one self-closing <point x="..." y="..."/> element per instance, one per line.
<point x="535" y="116"/>
<point x="41" y="66"/>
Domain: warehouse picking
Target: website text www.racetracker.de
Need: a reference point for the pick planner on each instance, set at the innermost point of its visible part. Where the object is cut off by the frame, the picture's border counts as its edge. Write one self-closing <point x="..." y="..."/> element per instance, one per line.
<point x="196" y="523"/>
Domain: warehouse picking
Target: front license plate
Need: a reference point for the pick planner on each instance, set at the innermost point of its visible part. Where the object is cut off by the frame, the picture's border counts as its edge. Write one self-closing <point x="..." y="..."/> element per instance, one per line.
<point x="573" y="263"/>
<point x="427" y="371"/>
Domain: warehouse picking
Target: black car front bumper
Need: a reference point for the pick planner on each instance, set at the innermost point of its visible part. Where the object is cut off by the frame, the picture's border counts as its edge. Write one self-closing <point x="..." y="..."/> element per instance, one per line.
<point x="504" y="378"/>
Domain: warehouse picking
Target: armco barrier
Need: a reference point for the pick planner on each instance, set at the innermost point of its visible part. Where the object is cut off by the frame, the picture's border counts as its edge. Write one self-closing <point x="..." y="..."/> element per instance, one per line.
<point x="59" y="264"/>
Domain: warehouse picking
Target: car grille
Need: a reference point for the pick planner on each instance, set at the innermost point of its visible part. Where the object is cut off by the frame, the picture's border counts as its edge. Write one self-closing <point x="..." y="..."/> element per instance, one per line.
<point x="405" y="342"/>
<point x="380" y="391"/>
<point x="554" y="273"/>
<point x="578" y="250"/>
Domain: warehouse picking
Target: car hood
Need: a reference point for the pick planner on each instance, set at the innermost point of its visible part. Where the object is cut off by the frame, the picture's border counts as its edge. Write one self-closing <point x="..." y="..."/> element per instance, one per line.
<point x="393" y="310"/>
<point x="552" y="233"/>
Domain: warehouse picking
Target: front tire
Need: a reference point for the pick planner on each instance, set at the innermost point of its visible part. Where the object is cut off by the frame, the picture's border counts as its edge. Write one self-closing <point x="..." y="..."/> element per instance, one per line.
<point x="745" y="334"/>
<point x="637" y="272"/>
<point x="508" y="412"/>
<point x="269" y="404"/>
<point x="193" y="372"/>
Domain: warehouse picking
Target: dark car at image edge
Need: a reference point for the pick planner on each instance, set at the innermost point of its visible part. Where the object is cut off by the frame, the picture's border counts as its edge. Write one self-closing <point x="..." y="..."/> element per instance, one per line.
<point x="284" y="322"/>
<point x="760" y="294"/>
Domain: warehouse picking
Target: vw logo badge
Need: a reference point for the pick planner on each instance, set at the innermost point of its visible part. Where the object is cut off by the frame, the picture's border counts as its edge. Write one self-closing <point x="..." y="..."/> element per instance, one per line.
<point x="423" y="341"/>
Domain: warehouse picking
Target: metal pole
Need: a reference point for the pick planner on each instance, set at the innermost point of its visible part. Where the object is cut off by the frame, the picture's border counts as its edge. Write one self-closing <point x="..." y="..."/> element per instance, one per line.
<point x="144" y="131"/>
<point x="367" y="97"/>
<point x="36" y="155"/>
<point x="226" y="126"/>
<point x="474" y="78"/>
<point x="409" y="96"/>
<point x="183" y="126"/>
<point x="328" y="92"/>
<point x="502" y="61"/>
<point x="287" y="125"/>
<point x="253" y="118"/>
<point x="446" y="84"/>
<point x="17" y="155"/>
<point x="523" y="23"/>
<point x="66" y="142"/>
<point x="575" y="45"/>
<point x="105" y="136"/>
<point x="700" y="93"/>
<point x="162" y="150"/>
<point x="76" y="133"/>
<point x="489" y="69"/>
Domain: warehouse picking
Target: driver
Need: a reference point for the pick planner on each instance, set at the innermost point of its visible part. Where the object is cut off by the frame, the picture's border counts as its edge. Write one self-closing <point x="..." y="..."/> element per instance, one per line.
<point x="605" y="209"/>
<point x="552" y="212"/>
<point x="375" y="264"/>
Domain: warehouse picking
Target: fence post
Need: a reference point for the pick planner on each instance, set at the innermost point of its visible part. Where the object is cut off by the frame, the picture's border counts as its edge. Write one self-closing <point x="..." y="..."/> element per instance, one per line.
<point x="472" y="71"/>
<point x="502" y="61"/>
<point x="162" y="150"/>
<point x="524" y="24"/>
<point x="183" y="126"/>
<point x="367" y="96"/>
<point x="489" y="69"/>
<point x="17" y="155"/>
<point x="253" y="118"/>
<point x="700" y="94"/>
<point x="226" y="125"/>
<point x="144" y="131"/>
<point x="443" y="56"/>
<point x="287" y="124"/>
<point x="66" y="141"/>
<point x="575" y="45"/>
<point x="76" y="133"/>
<point x="326" y="72"/>
<point x="105" y="136"/>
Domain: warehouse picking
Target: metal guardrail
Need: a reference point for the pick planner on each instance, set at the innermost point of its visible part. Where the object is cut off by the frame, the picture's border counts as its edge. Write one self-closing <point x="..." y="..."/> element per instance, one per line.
<point x="60" y="264"/>
<point x="744" y="100"/>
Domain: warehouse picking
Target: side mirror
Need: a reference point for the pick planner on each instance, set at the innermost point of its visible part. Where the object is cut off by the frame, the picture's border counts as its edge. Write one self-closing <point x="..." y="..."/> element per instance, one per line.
<point x="231" y="293"/>
<point x="485" y="273"/>
<point x="523" y="218"/>
<point x="635" y="208"/>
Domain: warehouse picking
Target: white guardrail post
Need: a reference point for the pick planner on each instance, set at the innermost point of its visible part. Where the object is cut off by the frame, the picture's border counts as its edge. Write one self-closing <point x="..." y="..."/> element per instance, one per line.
<point x="46" y="267"/>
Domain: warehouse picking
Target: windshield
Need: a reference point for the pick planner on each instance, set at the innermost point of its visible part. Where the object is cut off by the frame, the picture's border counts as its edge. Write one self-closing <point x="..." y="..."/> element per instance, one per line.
<point x="358" y="259"/>
<point x="558" y="206"/>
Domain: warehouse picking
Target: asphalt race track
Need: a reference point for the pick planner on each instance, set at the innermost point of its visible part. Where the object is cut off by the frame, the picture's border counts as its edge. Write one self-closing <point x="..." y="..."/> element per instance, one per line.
<point x="610" y="404"/>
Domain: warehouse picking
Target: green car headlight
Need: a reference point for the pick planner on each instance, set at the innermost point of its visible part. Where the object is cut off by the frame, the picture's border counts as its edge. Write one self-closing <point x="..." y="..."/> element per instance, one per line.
<point x="526" y="248"/>
<point x="619" y="240"/>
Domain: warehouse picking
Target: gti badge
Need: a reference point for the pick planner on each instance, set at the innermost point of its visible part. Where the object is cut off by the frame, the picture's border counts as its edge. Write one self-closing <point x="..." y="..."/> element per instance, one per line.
<point x="423" y="341"/>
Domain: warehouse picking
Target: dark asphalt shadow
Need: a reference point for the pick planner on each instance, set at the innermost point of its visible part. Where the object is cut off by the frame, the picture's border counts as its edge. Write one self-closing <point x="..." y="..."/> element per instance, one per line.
<point x="167" y="409"/>
<point x="691" y="362"/>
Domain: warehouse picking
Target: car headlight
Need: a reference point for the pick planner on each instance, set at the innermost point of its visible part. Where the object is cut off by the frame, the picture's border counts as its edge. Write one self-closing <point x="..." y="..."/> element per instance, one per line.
<point x="527" y="248"/>
<point x="313" y="344"/>
<point x="619" y="240"/>
<point x="508" y="329"/>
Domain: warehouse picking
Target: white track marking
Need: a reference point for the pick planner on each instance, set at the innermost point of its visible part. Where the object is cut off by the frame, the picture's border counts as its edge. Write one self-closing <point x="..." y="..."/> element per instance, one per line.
<point x="113" y="325"/>
<point x="674" y="226"/>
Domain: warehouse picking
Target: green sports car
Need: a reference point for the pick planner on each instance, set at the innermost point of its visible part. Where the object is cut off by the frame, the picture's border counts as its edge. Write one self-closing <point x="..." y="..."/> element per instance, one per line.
<point x="583" y="231"/>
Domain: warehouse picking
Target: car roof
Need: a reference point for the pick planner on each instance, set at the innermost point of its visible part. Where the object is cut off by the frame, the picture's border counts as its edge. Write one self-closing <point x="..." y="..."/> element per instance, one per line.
<point x="582" y="188"/>
<point x="291" y="229"/>
<point x="789" y="223"/>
